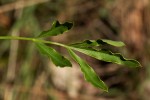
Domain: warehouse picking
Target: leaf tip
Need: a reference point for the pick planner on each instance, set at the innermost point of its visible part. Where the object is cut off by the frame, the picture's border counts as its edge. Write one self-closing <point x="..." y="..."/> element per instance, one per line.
<point x="106" y="90"/>
<point x="123" y="44"/>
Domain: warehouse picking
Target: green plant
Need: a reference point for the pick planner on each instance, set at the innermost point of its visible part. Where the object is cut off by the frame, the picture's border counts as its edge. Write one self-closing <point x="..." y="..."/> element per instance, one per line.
<point x="87" y="47"/>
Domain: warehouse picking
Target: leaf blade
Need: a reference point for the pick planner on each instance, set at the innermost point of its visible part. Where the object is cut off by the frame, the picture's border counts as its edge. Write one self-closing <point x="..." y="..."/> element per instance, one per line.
<point x="99" y="42"/>
<point x="56" y="29"/>
<point x="56" y="58"/>
<point x="113" y="43"/>
<point x="89" y="73"/>
<point x="108" y="56"/>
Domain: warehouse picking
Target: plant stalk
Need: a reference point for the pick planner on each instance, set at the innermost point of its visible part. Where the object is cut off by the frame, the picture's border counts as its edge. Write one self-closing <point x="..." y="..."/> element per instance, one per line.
<point x="31" y="39"/>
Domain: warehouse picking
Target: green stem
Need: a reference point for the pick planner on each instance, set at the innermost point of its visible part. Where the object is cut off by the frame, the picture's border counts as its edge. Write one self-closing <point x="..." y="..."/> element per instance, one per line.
<point x="31" y="39"/>
<point x="15" y="38"/>
<point x="50" y="42"/>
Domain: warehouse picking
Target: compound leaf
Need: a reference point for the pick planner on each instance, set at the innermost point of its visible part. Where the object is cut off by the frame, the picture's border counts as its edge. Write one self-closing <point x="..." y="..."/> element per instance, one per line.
<point x="108" y="56"/>
<point x="57" y="29"/>
<point x="56" y="58"/>
<point x="89" y="73"/>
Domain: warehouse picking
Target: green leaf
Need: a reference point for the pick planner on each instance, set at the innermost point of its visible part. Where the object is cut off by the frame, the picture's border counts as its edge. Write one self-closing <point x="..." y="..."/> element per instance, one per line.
<point x="89" y="73"/>
<point x="57" y="29"/>
<point x="113" y="43"/>
<point x="56" y="58"/>
<point x="99" y="42"/>
<point x="108" y="56"/>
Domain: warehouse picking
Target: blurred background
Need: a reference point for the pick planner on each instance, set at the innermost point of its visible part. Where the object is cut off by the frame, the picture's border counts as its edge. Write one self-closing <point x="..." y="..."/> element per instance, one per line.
<point x="27" y="75"/>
